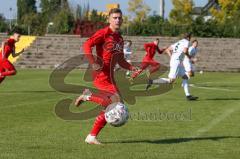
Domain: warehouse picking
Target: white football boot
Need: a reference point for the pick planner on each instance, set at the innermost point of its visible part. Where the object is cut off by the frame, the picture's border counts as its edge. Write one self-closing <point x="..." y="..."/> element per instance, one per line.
<point x="84" y="97"/>
<point x="92" y="140"/>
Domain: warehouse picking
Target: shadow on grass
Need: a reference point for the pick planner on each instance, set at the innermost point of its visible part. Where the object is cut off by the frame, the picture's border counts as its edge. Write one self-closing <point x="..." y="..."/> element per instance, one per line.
<point x="222" y="99"/>
<point x="174" y="140"/>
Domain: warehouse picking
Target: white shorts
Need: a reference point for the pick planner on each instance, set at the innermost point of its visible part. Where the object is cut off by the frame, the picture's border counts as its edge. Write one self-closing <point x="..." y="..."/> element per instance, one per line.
<point x="188" y="65"/>
<point x="127" y="57"/>
<point x="176" y="70"/>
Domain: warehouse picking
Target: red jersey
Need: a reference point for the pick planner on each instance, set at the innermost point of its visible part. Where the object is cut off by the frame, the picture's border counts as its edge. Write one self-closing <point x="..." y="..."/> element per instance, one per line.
<point x="9" y="47"/>
<point x="109" y="49"/>
<point x="151" y="49"/>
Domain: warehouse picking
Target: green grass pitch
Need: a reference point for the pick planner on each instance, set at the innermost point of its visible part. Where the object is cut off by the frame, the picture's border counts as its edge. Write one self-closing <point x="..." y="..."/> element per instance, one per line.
<point x="205" y="129"/>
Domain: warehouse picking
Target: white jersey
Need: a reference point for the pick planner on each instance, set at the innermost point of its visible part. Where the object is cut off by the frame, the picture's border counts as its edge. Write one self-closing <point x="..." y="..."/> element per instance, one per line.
<point x="177" y="52"/>
<point x="186" y="62"/>
<point x="176" y="62"/>
<point x="178" y="49"/>
<point x="127" y="53"/>
<point x="192" y="51"/>
<point x="127" y="50"/>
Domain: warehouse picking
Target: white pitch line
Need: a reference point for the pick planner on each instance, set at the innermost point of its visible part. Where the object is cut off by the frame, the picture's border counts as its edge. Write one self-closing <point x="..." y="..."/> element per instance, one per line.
<point x="23" y="104"/>
<point x="219" y="82"/>
<point x="215" y="121"/>
<point x="212" y="88"/>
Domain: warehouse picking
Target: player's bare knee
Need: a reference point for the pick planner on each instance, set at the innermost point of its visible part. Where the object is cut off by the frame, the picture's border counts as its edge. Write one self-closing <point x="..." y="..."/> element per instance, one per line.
<point x="190" y="74"/>
<point x="186" y="77"/>
<point x="115" y="98"/>
<point x="13" y="72"/>
<point x="172" y="80"/>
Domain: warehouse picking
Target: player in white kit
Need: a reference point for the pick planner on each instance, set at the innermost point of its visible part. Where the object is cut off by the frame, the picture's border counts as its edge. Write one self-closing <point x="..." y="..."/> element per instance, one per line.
<point x="177" y="52"/>
<point x="189" y="63"/>
<point x="127" y="50"/>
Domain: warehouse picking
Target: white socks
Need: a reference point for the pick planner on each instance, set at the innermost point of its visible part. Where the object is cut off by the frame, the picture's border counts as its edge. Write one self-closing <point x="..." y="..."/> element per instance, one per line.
<point x="185" y="87"/>
<point x="161" y="80"/>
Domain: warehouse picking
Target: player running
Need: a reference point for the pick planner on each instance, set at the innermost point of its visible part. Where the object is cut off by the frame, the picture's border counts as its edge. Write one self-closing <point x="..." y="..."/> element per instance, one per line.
<point x="127" y="53"/>
<point x="8" y="48"/>
<point x="177" y="52"/>
<point x="189" y="63"/>
<point x="109" y="47"/>
<point x="148" y="60"/>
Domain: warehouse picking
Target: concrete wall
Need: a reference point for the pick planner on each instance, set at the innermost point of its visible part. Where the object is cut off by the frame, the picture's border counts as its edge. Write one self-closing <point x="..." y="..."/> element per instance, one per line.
<point x="215" y="54"/>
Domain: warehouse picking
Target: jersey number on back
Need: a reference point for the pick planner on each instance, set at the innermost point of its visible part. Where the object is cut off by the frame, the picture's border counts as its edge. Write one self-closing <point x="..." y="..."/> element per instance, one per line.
<point x="176" y="47"/>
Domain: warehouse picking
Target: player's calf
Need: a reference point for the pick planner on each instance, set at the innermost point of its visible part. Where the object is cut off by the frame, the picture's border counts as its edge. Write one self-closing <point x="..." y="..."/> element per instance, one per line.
<point x="8" y="73"/>
<point x="115" y="98"/>
<point x="149" y="84"/>
<point x="159" y="81"/>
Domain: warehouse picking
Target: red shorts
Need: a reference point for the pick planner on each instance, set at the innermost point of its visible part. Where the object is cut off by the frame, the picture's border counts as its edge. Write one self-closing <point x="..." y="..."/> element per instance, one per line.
<point x="6" y="65"/>
<point x="1" y="68"/>
<point x="149" y="62"/>
<point x="105" y="84"/>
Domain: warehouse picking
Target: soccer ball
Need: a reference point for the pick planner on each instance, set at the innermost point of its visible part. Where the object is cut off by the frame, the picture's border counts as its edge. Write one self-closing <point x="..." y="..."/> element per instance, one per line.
<point x="116" y="114"/>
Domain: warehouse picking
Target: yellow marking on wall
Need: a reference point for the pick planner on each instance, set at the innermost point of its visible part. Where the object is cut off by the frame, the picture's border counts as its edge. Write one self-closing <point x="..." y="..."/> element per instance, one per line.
<point x="24" y="43"/>
<point x="109" y="7"/>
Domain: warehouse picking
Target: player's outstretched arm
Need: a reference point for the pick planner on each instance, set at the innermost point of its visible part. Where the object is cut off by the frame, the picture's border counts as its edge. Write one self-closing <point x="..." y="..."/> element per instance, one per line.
<point x="161" y="50"/>
<point x="194" y="60"/>
<point x="14" y="54"/>
<point x="124" y="64"/>
<point x="185" y="51"/>
<point x="97" y="38"/>
<point x="3" y="45"/>
<point x="169" y="51"/>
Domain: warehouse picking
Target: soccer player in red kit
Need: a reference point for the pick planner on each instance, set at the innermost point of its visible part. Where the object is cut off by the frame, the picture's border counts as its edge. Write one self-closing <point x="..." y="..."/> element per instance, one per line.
<point x="8" y="48"/>
<point x="109" y="48"/>
<point x="148" y="60"/>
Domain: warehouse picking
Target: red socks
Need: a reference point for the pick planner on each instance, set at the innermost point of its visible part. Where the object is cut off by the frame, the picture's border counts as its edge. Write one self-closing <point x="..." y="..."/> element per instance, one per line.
<point x="99" y="123"/>
<point x="102" y="100"/>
